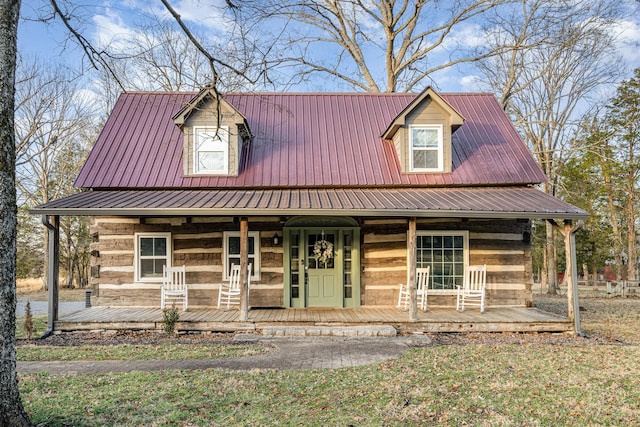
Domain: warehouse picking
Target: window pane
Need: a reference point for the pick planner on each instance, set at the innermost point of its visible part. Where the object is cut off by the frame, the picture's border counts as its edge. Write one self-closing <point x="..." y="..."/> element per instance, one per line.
<point x="448" y="241"/>
<point x="448" y="256"/>
<point x="160" y="246"/>
<point x="158" y="265"/>
<point x="348" y="293"/>
<point x="234" y="246"/>
<point x="146" y="268"/>
<point x="211" y="140"/>
<point x="252" y="245"/>
<point x="210" y="160"/>
<point x="425" y="138"/>
<point x="151" y="267"/>
<point x="146" y="246"/>
<point x="425" y="159"/>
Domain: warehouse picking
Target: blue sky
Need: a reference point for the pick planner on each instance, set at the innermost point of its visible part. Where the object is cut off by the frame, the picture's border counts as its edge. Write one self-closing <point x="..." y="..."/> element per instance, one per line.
<point x="107" y="21"/>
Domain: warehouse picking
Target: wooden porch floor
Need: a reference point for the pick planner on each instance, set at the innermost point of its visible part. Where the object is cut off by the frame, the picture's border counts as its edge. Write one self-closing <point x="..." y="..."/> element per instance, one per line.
<point x="436" y="319"/>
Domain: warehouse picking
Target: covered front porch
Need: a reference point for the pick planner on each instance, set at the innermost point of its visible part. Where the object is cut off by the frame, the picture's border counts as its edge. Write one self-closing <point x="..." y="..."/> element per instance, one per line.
<point x="306" y="321"/>
<point x="378" y="255"/>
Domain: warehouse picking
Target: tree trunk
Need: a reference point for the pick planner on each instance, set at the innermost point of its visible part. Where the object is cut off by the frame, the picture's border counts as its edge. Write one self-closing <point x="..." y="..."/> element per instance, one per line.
<point x="12" y="412"/>
<point x="631" y="233"/>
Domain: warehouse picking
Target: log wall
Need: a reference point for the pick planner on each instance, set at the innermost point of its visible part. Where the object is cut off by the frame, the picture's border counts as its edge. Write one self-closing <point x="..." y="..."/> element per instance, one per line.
<point x="501" y="244"/>
<point x="197" y="244"/>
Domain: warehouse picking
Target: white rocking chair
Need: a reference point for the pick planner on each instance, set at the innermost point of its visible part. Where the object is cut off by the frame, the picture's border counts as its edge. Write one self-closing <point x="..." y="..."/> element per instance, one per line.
<point x="472" y="291"/>
<point x="174" y="287"/>
<point x="422" y="283"/>
<point x="231" y="292"/>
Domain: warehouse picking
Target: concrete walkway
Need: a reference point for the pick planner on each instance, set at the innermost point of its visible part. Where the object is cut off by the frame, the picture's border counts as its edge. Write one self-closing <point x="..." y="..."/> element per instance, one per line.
<point x="42" y="307"/>
<point x="291" y="354"/>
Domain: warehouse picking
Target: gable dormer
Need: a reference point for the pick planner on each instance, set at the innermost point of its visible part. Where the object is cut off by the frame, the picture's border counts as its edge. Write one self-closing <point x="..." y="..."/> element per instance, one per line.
<point x="421" y="134"/>
<point x="214" y="134"/>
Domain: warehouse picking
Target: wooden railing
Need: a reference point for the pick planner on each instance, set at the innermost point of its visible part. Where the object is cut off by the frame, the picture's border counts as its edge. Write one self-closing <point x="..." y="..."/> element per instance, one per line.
<point x="599" y="288"/>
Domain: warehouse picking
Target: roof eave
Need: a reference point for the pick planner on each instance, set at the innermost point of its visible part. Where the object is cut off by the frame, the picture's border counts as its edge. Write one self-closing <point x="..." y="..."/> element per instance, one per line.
<point x="418" y="213"/>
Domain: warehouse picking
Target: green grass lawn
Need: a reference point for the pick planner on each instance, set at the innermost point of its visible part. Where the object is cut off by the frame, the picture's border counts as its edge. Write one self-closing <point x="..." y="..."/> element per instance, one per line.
<point x="537" y="383"/>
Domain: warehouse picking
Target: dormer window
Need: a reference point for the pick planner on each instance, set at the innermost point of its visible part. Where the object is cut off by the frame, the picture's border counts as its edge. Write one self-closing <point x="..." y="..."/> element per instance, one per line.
<point x="427" y="148"/>
<point x="422" y="134"/>
<point x="211" y="150"/>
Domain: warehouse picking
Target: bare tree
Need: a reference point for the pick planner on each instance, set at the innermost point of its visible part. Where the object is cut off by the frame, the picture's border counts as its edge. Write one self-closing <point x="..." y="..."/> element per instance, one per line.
<point x="557" y="55"/>
<point x="12" y="412"/>
<point x="375" y="46"/>
<point x="52" y="118"/>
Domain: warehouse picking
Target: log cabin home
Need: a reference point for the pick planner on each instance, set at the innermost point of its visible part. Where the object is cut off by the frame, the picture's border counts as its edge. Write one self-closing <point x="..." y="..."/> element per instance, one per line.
<point x="333" y="199"/>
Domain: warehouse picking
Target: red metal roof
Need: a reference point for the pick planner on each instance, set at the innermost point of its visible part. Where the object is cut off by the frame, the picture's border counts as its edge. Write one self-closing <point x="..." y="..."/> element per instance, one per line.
<point x="305" y="140"/>
<point x="480" y="202"/>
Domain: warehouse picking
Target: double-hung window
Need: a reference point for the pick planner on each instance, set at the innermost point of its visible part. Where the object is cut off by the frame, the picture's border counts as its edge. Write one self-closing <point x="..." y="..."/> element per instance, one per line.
<point x="231" y="252"/>
<point x="211" y="150"/>
<point x="152" y="252"/>
<point x="427" y="149"/>
<point x="446" y="253"/>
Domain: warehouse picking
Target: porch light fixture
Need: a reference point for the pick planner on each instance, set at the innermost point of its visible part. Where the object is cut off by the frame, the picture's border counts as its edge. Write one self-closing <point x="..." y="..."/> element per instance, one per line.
<point x="276" y="239"/>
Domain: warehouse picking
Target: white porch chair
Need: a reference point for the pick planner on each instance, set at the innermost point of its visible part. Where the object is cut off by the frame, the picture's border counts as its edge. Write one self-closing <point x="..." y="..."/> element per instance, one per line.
<point x="174" y="286"/>
<point x="231" y="292"/>
<point x="472" y="291"/>
<point x="422" y="283"/>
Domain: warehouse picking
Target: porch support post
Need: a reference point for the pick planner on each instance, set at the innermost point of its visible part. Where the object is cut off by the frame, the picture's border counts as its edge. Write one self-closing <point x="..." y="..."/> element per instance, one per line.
<point x="53" y="268"/>
<point x="413" y="301"/>
<point x="568" y="231"/>
<point x="244" y="265"/>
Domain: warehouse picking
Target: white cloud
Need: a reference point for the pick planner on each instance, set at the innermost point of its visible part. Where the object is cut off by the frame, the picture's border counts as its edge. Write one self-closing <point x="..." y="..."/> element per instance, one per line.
<point x="209" y="15"/>
<point x="466" y="36"/>
<point x="471" y="83"/>
<point x="628" y="41"/>
<point x="111" y="30"/>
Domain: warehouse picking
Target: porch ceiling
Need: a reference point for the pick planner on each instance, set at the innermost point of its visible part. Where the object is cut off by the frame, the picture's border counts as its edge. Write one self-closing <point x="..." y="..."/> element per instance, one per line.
<point x="478" y="202"/>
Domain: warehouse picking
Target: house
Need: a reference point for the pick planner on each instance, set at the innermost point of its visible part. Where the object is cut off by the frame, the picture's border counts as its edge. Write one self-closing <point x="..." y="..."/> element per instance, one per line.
<point x="339" y="194"/>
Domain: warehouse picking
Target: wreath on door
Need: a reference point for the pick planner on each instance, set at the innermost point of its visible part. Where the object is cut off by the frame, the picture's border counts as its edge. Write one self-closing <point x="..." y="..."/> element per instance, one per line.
<point x="323" y="250"/>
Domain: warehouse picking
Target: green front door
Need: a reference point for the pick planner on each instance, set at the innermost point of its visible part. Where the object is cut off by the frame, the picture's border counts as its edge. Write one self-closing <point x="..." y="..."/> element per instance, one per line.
<point x="321" y="262"/>
<point x="324" y="276"/>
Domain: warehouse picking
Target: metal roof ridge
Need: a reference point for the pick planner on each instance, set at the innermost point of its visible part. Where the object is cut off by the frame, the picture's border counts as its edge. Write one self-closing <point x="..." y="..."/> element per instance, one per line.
<point x="302" y="93"/>
<point x="322" y="187"/>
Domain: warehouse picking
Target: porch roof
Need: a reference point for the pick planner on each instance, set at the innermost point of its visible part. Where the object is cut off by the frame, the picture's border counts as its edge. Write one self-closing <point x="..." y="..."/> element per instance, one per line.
<point x="485" y="202"/>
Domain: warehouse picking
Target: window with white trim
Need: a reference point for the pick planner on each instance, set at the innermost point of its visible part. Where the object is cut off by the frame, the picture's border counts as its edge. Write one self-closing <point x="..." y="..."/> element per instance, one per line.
<point x="427" y="148"/>
<point x="446" y="253"/>
<point x="211" y="150"/>
<point x="231" y="252"/>
<point x="152" y="252"/>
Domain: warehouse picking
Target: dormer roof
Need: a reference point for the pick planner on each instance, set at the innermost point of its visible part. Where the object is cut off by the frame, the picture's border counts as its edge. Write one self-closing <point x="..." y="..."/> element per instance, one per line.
<point x="205" y="95"/>
<point x="428" y="94"/>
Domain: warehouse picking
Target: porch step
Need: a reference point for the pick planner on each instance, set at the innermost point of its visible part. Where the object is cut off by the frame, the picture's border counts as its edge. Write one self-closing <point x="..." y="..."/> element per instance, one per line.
<point x="330" y="331"/>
